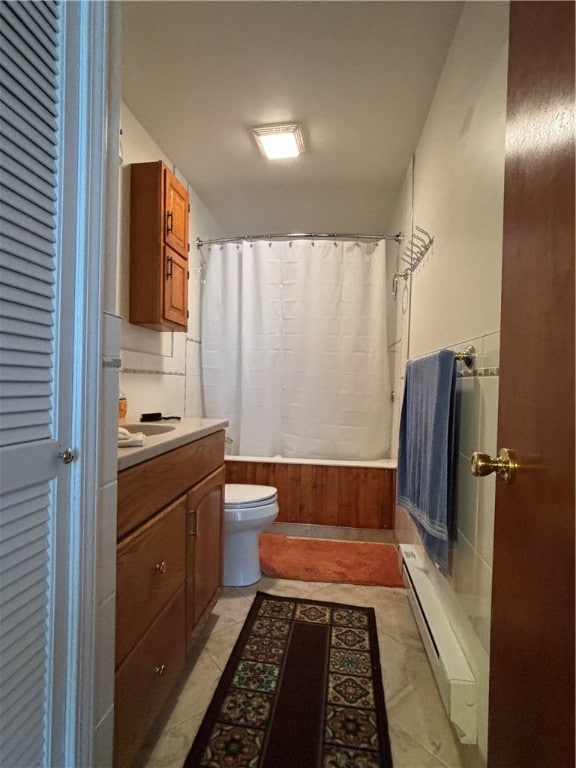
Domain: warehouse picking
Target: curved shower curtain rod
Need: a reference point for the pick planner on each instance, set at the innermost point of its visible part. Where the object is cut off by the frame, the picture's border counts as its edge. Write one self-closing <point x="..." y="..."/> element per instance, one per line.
<point x="297" y="236"/>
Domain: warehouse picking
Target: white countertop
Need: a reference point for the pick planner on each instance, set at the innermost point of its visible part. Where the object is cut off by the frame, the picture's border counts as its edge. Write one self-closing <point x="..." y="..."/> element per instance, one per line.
<point x="185" y="431"/>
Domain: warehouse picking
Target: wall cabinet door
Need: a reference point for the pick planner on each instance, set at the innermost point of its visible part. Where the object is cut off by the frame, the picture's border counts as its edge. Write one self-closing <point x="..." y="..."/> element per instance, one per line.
<point x="203" y="547"/>
<point x="175" y="287"/>
<point x="176" y="214"/>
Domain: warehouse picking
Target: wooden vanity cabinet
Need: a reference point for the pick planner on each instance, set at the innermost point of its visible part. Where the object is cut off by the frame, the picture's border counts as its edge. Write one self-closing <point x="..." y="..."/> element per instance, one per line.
<point x="169" y="566"/>
<point x="159" y="248"/>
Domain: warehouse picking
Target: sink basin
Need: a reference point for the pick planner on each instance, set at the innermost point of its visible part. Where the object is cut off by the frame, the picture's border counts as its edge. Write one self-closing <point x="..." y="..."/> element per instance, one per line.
<point x="149" y="429"/>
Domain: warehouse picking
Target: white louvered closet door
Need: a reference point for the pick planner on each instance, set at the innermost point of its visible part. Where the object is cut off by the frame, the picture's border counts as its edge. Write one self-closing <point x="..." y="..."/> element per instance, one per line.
<point x="32" y="475"/>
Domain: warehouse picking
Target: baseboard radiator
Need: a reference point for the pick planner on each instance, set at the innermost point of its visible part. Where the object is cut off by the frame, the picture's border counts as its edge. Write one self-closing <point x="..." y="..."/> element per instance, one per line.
<point x="454" y="677"/>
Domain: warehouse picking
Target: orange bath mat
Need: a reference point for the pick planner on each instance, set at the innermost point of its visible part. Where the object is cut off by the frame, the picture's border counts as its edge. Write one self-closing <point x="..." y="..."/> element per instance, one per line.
<point x="345" y="562"/>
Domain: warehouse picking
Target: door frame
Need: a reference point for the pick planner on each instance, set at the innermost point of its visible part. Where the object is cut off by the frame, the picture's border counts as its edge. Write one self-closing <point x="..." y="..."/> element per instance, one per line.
<point x="86" y="130"/>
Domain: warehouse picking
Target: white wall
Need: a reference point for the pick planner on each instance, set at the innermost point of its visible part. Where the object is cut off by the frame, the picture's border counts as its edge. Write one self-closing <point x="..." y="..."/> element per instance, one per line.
<point x="398" y="307"/>
<point x="160" y="370"/>
<point x="455" y="299"/>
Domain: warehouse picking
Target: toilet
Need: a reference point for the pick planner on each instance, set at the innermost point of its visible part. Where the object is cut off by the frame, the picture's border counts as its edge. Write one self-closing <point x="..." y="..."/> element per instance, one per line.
<point x="248" y="509"/>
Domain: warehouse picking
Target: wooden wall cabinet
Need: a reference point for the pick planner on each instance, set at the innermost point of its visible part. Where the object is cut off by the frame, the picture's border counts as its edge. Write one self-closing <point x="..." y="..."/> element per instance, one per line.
<point x="159" y="248"/>
<point x="169" y="575"/>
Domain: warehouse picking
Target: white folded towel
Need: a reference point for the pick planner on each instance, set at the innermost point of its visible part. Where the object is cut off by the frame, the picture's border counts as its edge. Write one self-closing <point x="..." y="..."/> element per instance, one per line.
<point x="128" y="439"/>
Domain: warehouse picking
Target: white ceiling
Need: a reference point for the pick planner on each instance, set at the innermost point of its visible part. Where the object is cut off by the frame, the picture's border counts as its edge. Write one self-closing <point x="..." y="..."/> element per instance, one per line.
<point x="359" y="76"/>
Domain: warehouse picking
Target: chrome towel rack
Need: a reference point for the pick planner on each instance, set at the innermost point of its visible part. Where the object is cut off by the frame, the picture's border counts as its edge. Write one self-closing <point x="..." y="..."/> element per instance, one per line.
<point x="418" y="246"/>
<point x="467" y="357"/>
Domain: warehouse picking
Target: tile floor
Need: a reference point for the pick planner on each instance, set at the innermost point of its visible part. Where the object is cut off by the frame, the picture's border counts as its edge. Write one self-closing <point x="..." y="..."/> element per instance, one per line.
<point x="420" y="734"/>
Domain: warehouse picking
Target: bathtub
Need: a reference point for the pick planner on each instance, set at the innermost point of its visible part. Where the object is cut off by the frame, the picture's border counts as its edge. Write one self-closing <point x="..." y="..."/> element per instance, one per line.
<point x="357" y="494"/>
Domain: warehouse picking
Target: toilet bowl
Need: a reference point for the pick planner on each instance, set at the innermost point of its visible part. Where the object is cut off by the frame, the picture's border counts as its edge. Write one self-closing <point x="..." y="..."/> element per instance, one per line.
<point x="248" y="509"/>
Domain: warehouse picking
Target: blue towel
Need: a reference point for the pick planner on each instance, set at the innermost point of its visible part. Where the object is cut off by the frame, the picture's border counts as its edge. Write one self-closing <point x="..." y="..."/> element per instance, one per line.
<point x="426" y="452"/>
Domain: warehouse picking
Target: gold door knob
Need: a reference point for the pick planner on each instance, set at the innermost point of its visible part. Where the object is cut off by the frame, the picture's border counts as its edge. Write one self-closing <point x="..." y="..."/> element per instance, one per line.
<point x="481" y="464"/>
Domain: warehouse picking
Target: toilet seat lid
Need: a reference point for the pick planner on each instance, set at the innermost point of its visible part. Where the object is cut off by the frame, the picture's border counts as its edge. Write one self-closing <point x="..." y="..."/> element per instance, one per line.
<point x="243" y="495"/>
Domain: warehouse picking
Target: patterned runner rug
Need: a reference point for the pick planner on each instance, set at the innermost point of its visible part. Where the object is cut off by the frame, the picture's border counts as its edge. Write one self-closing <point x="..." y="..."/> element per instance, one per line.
<point x="302" y="689"/>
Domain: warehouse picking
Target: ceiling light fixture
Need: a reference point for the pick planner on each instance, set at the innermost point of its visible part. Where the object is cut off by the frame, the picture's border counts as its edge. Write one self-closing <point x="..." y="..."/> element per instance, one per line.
<point x="277" y="142"/>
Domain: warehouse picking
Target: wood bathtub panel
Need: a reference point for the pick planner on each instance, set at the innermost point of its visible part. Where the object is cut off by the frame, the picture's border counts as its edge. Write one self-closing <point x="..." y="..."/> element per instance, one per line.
<point x="303" y="490"/>
<point x="377" y="485"/>
<point x="328" y="507"/>
<point x="349" y="512"/>
<point x="359" y="497"/>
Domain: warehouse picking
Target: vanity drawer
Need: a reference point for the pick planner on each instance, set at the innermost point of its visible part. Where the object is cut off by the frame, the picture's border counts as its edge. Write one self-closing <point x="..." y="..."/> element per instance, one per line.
<point x="145" y="680"/>
<point x="151" y="565"/>
<point x="151" y="485"/>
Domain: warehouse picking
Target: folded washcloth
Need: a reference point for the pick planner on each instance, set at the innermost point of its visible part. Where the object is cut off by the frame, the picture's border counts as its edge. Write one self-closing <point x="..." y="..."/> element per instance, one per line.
<point x="128" y="439"/>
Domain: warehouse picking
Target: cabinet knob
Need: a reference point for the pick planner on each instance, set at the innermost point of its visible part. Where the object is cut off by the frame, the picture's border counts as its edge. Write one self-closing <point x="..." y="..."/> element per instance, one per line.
<point x="193" y="523"/>
<point x="169" y="221"/>
<point x="160" y="670"/>
<point x="161" y="567"/>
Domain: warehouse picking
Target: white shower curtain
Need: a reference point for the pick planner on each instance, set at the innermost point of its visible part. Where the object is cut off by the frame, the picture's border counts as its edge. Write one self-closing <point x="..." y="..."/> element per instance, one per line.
<point x="294" y="348"/>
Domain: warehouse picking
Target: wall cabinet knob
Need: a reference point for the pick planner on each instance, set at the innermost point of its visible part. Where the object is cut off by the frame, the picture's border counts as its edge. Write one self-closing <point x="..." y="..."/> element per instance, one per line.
<point x="160" y="670"/>
<point x="161" y="567"/>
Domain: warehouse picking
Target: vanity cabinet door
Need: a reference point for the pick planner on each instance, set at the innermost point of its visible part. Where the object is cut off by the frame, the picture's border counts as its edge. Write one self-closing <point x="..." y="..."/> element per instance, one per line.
<point x="203" y="548"/>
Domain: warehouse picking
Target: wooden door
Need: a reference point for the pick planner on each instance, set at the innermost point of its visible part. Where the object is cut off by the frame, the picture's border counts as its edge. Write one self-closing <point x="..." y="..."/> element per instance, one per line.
<point x="204" y="546"/>
<point x="531" y="708"/>
<point x="176" y="214"/>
